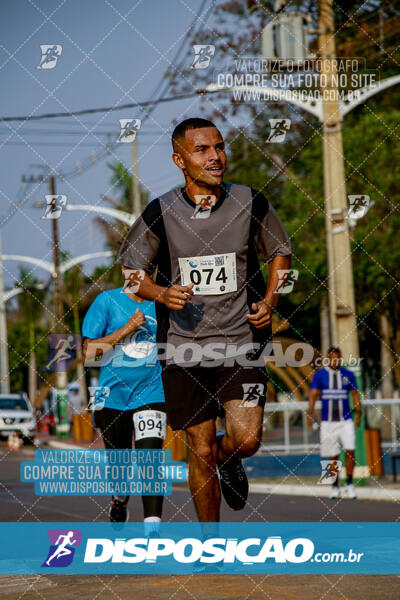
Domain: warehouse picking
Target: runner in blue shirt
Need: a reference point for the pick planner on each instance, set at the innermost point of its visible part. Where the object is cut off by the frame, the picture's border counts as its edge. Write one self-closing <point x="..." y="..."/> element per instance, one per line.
<point x="119" y="332"/>
<point x="333" y="383"/>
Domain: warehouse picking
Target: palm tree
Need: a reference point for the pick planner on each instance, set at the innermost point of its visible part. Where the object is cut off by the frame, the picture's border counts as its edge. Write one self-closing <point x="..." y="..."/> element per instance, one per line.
<point x="79" y="292"/>
<point x="74" y="292"/>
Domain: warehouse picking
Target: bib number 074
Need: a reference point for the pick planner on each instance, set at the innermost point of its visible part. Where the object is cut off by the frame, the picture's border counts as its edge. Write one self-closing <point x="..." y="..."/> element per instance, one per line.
<point x="209" y="275"/>
<point x="196" y="276"/>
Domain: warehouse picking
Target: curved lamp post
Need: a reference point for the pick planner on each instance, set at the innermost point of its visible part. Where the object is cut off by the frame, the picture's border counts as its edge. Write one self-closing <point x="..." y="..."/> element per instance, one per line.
<point x="5" y="296"/>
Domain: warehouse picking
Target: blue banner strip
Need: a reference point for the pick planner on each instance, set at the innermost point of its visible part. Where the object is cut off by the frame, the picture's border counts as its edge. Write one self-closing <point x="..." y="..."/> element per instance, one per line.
<point x="184" y="548"/>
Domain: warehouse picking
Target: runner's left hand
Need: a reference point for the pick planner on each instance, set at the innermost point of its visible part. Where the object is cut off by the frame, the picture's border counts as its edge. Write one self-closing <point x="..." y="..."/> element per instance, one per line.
<point x="263" y="314"/>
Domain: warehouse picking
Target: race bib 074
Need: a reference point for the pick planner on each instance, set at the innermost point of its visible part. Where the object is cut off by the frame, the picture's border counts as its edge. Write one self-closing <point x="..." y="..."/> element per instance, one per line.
<point x="211" y="275"/>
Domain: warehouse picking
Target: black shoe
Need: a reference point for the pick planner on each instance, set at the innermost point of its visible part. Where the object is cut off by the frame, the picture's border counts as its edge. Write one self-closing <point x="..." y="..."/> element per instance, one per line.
<point x="118" y="512"/>
<point x="233" y="482"/>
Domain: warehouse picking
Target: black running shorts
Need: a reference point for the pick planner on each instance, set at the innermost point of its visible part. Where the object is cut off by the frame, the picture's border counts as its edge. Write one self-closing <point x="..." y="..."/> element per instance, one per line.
<point x="116" y="426"/>
<point x="196" y="394"/>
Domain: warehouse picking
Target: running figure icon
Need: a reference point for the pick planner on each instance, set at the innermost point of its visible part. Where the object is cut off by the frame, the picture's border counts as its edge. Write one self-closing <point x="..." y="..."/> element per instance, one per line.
<point x="64" y="347"/>
<point x="62" y="549"/>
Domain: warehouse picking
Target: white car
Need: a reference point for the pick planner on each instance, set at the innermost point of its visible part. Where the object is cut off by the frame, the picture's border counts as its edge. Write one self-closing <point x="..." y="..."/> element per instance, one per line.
<point x="16" y="416"/>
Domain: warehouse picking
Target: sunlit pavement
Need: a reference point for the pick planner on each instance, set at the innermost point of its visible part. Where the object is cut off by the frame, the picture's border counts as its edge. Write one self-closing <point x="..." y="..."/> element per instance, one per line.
<point x="19" y="503"/>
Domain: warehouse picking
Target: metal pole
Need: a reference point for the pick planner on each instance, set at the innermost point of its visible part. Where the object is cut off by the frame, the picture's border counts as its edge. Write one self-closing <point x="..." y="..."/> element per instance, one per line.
<point x="381" y="31"/>
<point x="136" y="200"/>
<point x="286" y="431"/>
<point x="62" y="427"/>
<point x="341" y="287"/>
<point x="58" y="306"/>
<point x="4" y="370"/>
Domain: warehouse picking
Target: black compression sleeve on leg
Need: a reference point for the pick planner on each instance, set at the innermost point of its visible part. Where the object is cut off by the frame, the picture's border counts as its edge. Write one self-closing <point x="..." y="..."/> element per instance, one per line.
<point x="116" y="429"/>
<point x="152" y="505"/>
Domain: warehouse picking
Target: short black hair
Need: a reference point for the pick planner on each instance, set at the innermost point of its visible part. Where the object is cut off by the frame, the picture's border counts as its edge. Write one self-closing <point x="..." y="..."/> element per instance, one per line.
<point x="184" y="126"/>
<point x="334" y="350"/>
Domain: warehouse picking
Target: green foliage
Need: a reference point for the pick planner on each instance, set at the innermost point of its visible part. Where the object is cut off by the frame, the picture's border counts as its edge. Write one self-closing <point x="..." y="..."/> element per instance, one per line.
<point x="121" y="180"/>
<point x="375" y="171"/>
<point x="18" y="355"/>
<point x="372" y="164"/>
<point x="372" y="150"/>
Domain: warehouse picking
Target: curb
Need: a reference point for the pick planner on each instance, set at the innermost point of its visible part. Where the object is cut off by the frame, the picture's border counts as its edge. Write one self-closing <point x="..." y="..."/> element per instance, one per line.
<point x="283" y="489"/>
<point x="64" y="445"/>
<point x="323" y="491"/>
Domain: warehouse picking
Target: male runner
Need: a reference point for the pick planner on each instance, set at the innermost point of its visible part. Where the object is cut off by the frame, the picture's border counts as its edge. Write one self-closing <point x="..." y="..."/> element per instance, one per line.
<point x="334" y="383"/>
<point x="212" y="308"/>
<point x="120" y="328"/>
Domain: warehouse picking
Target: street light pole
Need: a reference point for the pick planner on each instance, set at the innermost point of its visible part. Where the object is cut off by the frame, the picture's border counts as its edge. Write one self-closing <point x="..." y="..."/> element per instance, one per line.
<point x="4" y="370"/>
<point x="340" y="270"/>
<point x="62" y="427"/>
<point x="136" y="201"/>
<point x="340" y="278"/>
<point x="58" y="306"/>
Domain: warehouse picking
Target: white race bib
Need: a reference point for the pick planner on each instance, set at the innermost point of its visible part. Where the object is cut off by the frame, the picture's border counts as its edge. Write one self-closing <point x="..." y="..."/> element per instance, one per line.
<point x="211" y="275"/>
<point x="150" y="423"/>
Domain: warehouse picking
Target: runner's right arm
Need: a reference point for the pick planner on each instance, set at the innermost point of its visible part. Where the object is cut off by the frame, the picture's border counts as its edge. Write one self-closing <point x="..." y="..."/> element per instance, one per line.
<point x="312" y="399"/>
<point x="140" y="251"/>
<point x="174" y="297"/>
<point x="92" y="346"/>
<point x="313" y="396"/>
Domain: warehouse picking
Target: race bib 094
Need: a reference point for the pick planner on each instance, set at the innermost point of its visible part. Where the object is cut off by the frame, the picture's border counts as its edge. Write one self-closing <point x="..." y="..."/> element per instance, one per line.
<point x="149" y="423"/>
<point x="211" y="275"/>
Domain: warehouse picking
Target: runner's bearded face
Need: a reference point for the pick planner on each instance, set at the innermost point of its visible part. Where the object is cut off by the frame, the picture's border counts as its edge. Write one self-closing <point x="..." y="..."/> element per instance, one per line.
<point x="334" y="360"/>
<point x="201" y="156"/>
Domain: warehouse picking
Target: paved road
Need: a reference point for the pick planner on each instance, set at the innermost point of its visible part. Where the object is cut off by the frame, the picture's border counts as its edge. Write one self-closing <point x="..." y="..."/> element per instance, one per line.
<point x="19" y="503"/>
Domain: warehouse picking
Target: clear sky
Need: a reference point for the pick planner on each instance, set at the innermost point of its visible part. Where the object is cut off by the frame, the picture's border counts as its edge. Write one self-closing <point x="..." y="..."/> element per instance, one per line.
<point x="113" y="52"/>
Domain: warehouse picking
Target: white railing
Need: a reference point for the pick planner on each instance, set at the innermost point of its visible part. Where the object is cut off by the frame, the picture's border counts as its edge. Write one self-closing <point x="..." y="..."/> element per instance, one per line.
<point x="290" y="408"/>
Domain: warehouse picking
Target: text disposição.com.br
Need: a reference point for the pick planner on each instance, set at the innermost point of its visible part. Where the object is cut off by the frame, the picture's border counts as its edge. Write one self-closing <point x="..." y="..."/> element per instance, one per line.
<point x="213" y="550"/>
<point x="337" y="557"/>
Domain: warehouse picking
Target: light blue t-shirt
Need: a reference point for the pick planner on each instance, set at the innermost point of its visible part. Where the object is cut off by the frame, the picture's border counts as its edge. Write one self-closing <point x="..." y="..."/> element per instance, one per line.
<point x="130" y="374"/>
